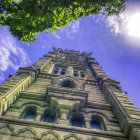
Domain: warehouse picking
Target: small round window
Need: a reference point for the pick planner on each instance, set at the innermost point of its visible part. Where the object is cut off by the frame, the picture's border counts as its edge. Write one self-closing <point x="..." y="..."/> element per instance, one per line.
<point x="68" y="83"/>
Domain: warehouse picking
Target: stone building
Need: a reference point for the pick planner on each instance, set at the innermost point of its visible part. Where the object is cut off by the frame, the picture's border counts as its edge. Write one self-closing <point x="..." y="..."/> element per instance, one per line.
<point x="66" y="96"/>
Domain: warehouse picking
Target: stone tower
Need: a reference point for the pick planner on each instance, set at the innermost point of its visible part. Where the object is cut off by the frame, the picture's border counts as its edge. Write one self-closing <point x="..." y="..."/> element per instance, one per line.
<point x="66" y="96"/>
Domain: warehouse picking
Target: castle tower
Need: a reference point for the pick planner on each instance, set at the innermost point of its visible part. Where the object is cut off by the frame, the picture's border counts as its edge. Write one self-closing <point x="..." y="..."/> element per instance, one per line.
<point x="66" y="96"/>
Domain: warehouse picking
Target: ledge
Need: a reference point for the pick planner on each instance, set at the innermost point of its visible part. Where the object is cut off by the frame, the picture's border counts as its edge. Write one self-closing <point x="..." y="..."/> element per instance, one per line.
<point x="45" y="125"/>
<point x="98" y="106"/>
<point x="66" y="90"/>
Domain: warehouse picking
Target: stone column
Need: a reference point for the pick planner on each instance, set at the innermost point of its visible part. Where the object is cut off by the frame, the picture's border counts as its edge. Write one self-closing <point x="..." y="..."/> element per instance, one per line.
<point x="39" y="114"/>
<point x="38" y="117"/>
<point x="59" y="71"/>
<point x="87" y="122"/>
<point x="69" y="71"/>
<point x="65" y="107"/>
<point x="64" y="117"/>
<point x="79" y="74"/>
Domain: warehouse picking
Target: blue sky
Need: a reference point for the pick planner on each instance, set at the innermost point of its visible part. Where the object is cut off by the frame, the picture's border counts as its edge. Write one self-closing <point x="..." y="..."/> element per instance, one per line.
<point x="108" y="38"/>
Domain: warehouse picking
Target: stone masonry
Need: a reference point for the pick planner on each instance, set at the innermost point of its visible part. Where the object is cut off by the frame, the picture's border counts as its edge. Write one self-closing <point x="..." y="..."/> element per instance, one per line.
<point x="61" y="90"/>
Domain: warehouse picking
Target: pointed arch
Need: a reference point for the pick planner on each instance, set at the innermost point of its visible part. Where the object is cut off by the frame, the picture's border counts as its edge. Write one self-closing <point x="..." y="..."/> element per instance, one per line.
<point x="57" y="81"/>
<point x="68" y="83"/>
<point x="29" y="112"/>
<point x="99" y="121"/>
<point x="103" y="114"/>
<point x="23" y="104"/>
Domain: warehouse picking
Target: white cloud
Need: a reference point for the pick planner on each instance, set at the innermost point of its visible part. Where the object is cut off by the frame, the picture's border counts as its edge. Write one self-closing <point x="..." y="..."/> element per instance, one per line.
<point x="56" y="36"/>
<point x="71" y="30"/>
<point x="75" y="26"/>
<point x="11" y="55"/>
<point x="117" y="23"/>
<point x="98" y="18"/>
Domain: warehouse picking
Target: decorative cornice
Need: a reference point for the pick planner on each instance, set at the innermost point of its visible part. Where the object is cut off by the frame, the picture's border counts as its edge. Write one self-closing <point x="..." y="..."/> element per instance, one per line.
<point x="78" y="130"/>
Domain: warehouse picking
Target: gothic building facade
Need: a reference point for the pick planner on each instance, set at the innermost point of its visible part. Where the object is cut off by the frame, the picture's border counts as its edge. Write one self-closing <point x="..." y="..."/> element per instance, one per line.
<point x="66" y="96"/>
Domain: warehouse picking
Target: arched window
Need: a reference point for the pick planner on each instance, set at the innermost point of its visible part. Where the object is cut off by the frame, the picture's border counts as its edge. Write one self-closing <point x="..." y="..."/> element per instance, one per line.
<point x="29" y="113"/>
<point x="75" y="74"/>
<point x="77" y="120"/>
<point x="56" y="70"/>
<point x="68" y="83"/>
<point x="63" y="71"/>
<point x="96" y="123"/>
<point x="49" y="116"/>
<point x="82" y="74"/>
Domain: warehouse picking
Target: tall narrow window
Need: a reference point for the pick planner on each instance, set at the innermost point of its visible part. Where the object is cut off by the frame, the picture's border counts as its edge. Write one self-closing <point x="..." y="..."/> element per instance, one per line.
<point x="75" y="74"/>
<point x="63" y="71"/>
<point x="49" y="116"/>
<point x="96" y="123"/>
<point x="29" y="113"/>
<point x="56" y="70"/>
<point x="82" y="74"/>
<point x="77" y="120"/>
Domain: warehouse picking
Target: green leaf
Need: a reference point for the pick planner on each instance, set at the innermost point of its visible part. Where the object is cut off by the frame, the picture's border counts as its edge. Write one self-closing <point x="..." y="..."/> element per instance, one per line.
<point x="52" y="30"/>
<point x="28" y="18"/>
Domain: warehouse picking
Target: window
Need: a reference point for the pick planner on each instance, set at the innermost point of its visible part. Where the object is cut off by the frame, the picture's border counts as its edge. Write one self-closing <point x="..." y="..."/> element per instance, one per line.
<point x="56" y="70"/>
<point x="77" y="120"/>
<point x="68" y="83"/>
<point x="63" y="71"/>
<point x="82" y="74"/>
<point x="96" y="123"/>
<point x="29" y="113"/>
<point x="49" y="116"/>
<point x="75" y="74"/>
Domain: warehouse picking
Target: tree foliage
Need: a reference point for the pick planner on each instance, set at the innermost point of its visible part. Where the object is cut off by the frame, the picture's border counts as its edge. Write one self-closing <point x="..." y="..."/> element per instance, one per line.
<point x="27" y="18"/>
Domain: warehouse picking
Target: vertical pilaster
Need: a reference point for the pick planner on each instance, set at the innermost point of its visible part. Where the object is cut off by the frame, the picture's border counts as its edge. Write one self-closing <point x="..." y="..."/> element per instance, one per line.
<point x="97" y="70"/>
<point x="125" y="111"/>
<point x="64" y="117"/>
<point x="79" y="74"/>
<point x="69" y="71"/>
<point x="59" y="71"/>
<point x="38" y="116"/>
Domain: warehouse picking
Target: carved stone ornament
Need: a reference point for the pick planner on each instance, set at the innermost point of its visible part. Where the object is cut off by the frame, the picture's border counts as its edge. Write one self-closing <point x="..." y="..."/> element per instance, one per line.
<point x="50" y="135"/>
<point x="72" y="137"/>
<point x="6" y="128"/>
<point x="27" y="132"/>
